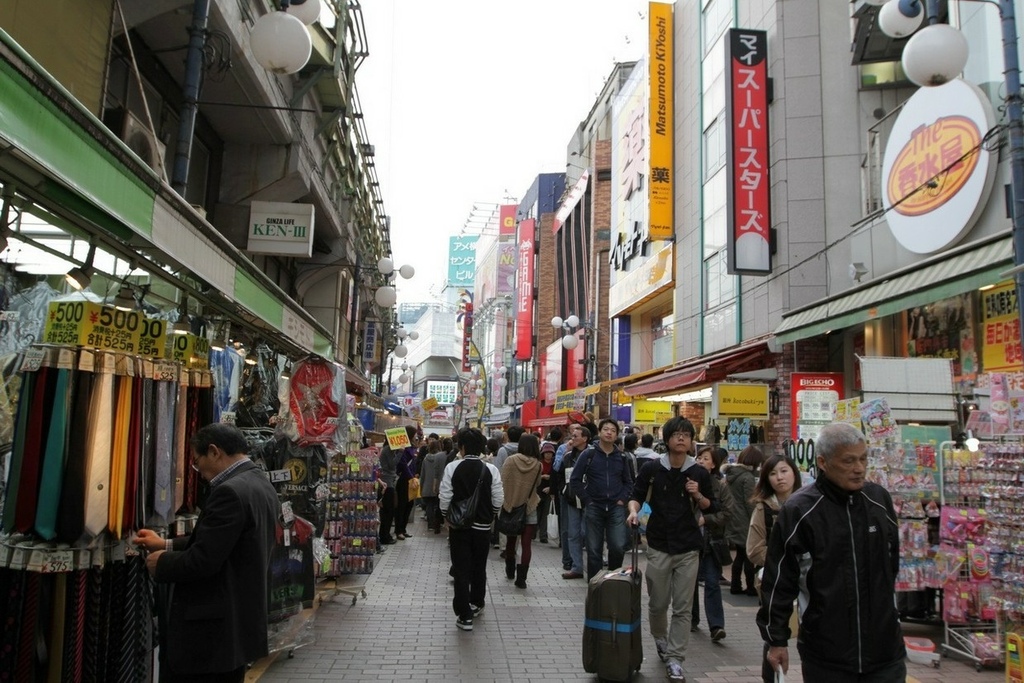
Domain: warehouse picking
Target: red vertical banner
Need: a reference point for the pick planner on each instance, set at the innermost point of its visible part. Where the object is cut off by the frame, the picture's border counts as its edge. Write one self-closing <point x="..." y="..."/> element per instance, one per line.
<point x="524" y="289"/>
<point x="467" y="337"/>
<point x="748" y="207"/>
<point x="507" y="220"/>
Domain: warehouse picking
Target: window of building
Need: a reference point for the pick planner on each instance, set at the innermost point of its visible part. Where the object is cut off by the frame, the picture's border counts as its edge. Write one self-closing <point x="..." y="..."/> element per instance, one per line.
<point x="714" y="147"/>
<point x="719" y="285"/>
<point x="716" y="17"/>
<point x="661" y="340"/>
<point x="714" y="213"/>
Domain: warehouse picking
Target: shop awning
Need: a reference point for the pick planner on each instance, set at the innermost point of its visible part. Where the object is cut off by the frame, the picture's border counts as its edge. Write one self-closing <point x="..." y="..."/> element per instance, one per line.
<point x="356" y="383"/>
<point x="554" y="421"/>
<point x="919" y="285"/>
<point x="710" y="368"/>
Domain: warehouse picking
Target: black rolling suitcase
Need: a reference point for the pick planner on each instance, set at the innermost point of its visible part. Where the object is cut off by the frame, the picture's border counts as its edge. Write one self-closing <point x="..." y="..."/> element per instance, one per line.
<point x="612" y="646"/>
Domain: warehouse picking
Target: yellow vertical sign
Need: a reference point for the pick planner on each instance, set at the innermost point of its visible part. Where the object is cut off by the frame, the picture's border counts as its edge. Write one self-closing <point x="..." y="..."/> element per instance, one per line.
<point x="1000" y="329"/>
<point x="660" y="118"/>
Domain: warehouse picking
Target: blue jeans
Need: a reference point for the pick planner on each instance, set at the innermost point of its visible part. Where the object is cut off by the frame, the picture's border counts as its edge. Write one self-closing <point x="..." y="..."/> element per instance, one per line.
<point x="605" y="521"/>
<point x="572" y="536"/>
<point x="710" y="571"/>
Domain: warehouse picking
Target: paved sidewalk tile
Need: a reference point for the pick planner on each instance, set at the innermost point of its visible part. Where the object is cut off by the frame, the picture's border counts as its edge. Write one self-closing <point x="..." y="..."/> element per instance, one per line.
<point x="404" y="630"/>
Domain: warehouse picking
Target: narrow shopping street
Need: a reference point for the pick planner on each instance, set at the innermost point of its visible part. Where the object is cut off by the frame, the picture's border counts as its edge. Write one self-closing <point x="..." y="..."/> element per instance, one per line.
<point x="404" y="630"/>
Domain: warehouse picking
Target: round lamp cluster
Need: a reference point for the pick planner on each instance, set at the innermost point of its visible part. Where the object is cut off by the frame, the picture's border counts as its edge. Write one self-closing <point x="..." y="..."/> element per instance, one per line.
<point x="570" y="341"/>
<point x="935" y="53"/>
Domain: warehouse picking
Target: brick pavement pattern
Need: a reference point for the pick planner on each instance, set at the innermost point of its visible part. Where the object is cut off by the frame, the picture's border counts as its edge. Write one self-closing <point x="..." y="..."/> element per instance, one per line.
<point x="404" y="630"/>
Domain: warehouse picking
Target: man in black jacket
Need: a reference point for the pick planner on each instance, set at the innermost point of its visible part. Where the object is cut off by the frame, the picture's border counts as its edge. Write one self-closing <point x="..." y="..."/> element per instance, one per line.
<point x="678" y="490"/>
<point x="217" y="621"/>
<point x="468" y="546"/>
<point x="835" y="545"/>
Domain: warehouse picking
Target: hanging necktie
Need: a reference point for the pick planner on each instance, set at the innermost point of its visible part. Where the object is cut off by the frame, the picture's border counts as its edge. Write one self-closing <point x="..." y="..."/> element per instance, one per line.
<point x="52" y="478"/>
<point x="99" y="440"/>
<point x="74" y="633"/>
<point x="119" y="461"/>
<point x="24" y="668"/>
<point x="35" y="446"/>
<point x="147" y="464"/>
<point x="133" y="467"/>
<point x="181" y="447"/>
<point x="12" y="590"/>
<point x="132" y="625"/>
<point x="163" y="489"/>
<point x="55" y="663"/>
<point x="191" y="483"/>
<point x="71" y="515"/>
<point x="118" y="588"/>
<point x="18" y="450"/>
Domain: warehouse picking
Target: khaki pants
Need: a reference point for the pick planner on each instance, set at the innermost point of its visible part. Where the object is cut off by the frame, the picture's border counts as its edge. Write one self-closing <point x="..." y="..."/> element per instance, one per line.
<point x="670" y="582"/>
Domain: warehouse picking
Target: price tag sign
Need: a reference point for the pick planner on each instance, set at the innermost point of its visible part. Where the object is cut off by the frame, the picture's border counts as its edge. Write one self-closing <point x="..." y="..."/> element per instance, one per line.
<point x="106" y="327"/>
<point x="181" y="346"/>
<point x="152" y="337"/>
<point x="200" y="353"/>
<point x="165" y="371"/>
<point x="64" y="322"/>
<point x="397" y="438"/>
<point x="429" y="403"/>
<point x="32" y="360"/>
<point x="35" y="560"/>
<point x="287" y="514"/>
<point x="58" y="562"/>
<point x="278" y="476"/>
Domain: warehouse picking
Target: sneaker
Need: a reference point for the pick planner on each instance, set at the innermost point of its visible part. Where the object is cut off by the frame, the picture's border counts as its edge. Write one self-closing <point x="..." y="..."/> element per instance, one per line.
<point x="694" y="628"/>
<point x="662" y="646"/>
<point x="717" y="634"/>
<point x="464" y="624"/>
<point x="674" y="671"/>
<point x="477" y="610"/>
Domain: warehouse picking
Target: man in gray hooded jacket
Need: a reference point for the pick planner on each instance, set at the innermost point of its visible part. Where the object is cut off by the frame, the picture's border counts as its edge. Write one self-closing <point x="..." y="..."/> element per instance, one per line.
<point x="678" y="491"/>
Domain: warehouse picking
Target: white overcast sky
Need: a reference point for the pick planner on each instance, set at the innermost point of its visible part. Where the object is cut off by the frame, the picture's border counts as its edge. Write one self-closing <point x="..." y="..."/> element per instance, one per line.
<point x="466" y="101"/>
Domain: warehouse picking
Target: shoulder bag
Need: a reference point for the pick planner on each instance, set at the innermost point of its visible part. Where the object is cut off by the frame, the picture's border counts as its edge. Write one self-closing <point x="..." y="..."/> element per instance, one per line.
<point x="511" y="523"/>
<point x="462" y="513"/>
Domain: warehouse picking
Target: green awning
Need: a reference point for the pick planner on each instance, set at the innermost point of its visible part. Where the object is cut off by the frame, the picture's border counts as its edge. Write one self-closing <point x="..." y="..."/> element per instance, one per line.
<point x="923" y="285"/>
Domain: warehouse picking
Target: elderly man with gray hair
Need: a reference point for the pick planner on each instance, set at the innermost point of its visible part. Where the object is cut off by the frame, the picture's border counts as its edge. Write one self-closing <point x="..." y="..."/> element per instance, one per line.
<point x="835" y="546"/>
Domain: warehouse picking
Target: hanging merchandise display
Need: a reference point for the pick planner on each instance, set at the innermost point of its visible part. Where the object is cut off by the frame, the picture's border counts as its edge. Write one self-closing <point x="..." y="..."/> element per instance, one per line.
<point x="315" y="399"/>
<point x="299" y="473"/>
<point x="226" y="367"/>
<point x="257" y="396"/>
<point x="352" y="514"/>
<point x="980" y="536"/>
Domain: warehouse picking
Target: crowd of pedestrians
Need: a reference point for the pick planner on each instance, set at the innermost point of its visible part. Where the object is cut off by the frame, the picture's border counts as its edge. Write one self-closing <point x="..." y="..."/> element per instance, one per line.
<point x="589" y="488"/>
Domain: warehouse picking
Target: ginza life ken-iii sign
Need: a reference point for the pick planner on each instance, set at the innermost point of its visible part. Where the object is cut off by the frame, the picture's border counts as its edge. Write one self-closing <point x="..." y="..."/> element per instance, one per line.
<point x="281" y="228"/>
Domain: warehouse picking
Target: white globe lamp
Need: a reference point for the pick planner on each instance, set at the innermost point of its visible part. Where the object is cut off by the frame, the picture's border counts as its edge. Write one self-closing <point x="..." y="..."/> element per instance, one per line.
<point x="556" y="321"/>
<point x="306" y="11"/>
<point x="280" y="43"/>
<point x="403" y="378"/>
<point x="935" y="55"/>
<point x="414" y="335"/>
<point x="385" y="266"/>
<point x="479" y="392"/>
<point x="402" y="333"/>
<point x="573" y="321"/>
<point x="407" y="271"/>
<point x="400" y="351"/>
<point x="894" y="23"/>
<point x="385" y="296"/>
<point x="501" y="381"/>
<point x="570" y="342"/>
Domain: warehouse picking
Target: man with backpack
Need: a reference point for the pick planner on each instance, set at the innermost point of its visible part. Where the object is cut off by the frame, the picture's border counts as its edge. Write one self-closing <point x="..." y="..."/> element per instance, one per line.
<point x="468" y="541"/>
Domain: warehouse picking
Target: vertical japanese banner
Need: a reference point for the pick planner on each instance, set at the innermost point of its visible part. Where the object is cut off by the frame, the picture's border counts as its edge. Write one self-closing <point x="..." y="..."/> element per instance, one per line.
<point x="660" y="120"/>
<point x="748" y="207"/>
<point x="1001" y="349"/>
<point x="524" y="290"/>
<point x="507" y="220"/>
<point x="467" y="337"/>
<point x="371" y="343"/>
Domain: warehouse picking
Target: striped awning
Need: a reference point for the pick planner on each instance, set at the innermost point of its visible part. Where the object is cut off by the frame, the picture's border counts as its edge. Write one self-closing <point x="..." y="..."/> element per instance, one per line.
<point x="919" y="285"/>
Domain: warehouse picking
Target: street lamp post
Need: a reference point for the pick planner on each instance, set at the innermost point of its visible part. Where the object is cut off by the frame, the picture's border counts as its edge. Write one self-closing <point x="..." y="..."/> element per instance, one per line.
<point x="936" y="54"/>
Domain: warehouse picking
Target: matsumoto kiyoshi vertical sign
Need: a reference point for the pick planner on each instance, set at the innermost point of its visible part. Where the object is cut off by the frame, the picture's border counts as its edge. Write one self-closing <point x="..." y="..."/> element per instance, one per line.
<point x="660" y="120"/>
<point x="748" y="204"/>
<point x="281" y="228"/>
<point x="462" y="261"/>
<point x="524" y="291"/>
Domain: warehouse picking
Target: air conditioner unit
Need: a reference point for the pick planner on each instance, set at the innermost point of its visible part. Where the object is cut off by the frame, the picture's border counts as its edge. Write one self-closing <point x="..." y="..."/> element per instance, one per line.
<point x="141" y="140"/>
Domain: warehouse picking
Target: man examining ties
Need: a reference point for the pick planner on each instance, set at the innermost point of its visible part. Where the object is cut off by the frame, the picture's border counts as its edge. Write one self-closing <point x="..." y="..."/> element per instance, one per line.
<point x="602" y="481"/>
<point x="468" y="547"/>
<point x="835" y="547"/>
<point x="217" y="618"/>
<point x="678" y="491"/>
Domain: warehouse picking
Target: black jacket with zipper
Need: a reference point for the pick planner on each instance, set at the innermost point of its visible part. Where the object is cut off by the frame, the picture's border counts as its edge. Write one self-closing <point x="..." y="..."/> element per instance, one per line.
<point x="840" y="552"/>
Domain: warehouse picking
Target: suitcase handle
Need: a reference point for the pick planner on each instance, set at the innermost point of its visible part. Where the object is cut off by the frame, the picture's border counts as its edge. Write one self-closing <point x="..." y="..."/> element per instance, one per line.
<point x="636" y="543"/>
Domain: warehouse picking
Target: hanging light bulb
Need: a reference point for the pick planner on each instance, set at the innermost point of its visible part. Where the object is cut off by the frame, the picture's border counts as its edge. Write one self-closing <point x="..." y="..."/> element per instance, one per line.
<point x="385" y="296"/>
<point x="405" y="366"/>
<point x="400" y="351"/>
<point x="385" y="266"/>
<point x="407" y="271"/>
<point x="570" y="342"/>
<point x="280" y="43"/>
<point x="306" y="11"/>
<point x="556" y="322"/>
<point x="414" y="335"/>
<point x="401" y="333"/>
<point x="403" y="378"/>
<point x="573" y="321"/>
